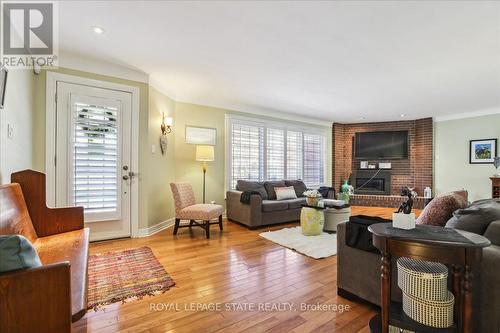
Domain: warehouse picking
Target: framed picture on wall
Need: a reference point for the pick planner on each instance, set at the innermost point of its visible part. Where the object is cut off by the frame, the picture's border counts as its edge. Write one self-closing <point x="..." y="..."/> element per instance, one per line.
<point x="482" y="151"/>
<point x="201" y="136"/>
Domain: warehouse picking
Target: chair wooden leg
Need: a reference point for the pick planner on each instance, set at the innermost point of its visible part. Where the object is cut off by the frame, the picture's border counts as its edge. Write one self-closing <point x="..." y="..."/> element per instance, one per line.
<point x="191" y="224"/>
<point x="220" y="222"/>
<point x="207" y="228"/>
<point x="176" y="227"/>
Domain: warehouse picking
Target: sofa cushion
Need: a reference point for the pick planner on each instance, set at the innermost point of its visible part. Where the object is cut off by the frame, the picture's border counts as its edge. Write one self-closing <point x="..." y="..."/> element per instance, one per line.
<point x="285" y="193"/>
<point x="296" y="203"/>
<point x="204" y="212"/>
<point x="476" y="217"/>
<point x="493" y="232"/>
<point x="298" y="186"/>
<point x="17" y="252"/>
<point x="441" y="208"/>
<point x="70" y="246"/>
<point x="249" y="185"/>
<point x="270" y="185"/>
<point x="274" y="206"/>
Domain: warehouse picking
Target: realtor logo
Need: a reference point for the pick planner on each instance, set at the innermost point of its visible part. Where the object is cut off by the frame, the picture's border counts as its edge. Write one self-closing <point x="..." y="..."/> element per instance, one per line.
<point x="29" y="35"/>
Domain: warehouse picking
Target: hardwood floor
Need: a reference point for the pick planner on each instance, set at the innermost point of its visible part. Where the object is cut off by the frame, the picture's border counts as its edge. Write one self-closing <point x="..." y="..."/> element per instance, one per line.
<point x="235" y="266"/>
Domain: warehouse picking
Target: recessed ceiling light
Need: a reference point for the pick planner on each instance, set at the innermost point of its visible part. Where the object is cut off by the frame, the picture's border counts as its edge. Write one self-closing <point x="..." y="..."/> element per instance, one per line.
<point x="98" y="30"/>
<point x="362" y="118"/>
<point x="403" y="115"/>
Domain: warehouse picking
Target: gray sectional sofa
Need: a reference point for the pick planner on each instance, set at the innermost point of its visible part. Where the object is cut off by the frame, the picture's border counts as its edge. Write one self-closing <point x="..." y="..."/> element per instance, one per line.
<point x="358" y="271"/>
<point x="263" y="208"/>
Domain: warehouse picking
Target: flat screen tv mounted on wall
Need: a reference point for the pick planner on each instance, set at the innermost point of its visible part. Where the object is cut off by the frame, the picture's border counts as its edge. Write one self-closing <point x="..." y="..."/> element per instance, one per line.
<point x="381" y="145"/>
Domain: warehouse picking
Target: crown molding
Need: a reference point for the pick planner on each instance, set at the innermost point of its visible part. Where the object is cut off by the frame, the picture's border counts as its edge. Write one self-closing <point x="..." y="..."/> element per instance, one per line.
<point x="464" y="115"/>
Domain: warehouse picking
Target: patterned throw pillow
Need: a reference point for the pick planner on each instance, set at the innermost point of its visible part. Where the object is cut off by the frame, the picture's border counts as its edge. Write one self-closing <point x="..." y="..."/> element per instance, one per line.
<point x="270" y="185"/>
<point x="441" y="208"/>
<point x="298" y="186"/>
<point x="284" y="193"/>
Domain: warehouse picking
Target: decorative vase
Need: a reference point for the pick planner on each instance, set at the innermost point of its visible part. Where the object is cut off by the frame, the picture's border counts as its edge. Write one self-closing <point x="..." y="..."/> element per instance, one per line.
<point x="343" y="196"/>
<point x="312" y="201"/>
<point x="345" y="187"/>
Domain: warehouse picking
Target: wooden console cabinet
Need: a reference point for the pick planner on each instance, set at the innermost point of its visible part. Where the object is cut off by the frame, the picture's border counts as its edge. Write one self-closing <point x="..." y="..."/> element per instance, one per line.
<point x="495" y="187"/>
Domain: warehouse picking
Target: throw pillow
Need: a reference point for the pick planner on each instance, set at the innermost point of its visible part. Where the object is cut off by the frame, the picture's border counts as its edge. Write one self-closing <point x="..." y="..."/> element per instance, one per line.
<point x="270" y="185"/>
<point x="477" y="217"/>
<point x="249" y="185"/>
<point x="441" y="209"/>
<point x="17" y="252"/>
<point x="284" y="193"/>
<point x="298" y="186"/>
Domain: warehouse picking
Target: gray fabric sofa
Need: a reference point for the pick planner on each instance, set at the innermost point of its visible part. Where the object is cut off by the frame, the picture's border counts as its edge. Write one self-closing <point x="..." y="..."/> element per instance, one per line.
<point x="358" y="272"/>
<point x="264" y="209"/>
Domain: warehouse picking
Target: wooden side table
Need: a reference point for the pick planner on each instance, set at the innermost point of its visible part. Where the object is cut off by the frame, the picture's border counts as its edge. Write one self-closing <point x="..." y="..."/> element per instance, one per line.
<point x="495" y="187"/>
<point x="460" y="249"/>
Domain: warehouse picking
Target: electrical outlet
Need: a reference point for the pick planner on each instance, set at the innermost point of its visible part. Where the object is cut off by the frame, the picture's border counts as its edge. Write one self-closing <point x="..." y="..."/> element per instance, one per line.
<point x="153" y="149"/>
<point x="10" y="131"/>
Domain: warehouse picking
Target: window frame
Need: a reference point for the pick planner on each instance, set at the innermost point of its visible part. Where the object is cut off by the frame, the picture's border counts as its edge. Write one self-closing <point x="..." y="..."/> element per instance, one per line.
<point x="282" y="125"/>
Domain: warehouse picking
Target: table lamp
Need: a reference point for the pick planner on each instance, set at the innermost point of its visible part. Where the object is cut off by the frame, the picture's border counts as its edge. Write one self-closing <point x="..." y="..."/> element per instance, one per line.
<point x="204" y="154"/>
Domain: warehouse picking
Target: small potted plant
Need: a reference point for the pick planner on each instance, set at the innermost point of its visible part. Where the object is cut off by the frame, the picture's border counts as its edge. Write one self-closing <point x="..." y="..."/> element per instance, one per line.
<point x="312" y="197"/>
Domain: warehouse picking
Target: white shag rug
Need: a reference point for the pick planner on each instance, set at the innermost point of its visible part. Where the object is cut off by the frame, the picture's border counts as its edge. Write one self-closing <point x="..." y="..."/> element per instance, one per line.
<point x="321" y="246"/>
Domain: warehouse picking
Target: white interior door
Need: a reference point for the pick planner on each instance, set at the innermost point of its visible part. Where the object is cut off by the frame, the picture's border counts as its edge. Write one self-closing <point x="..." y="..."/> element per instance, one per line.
<point x="93" y="151"/>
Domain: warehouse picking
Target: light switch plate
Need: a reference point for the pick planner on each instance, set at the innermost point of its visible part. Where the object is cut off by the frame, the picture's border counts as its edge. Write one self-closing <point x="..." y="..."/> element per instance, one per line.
<point x="10" y="131"/>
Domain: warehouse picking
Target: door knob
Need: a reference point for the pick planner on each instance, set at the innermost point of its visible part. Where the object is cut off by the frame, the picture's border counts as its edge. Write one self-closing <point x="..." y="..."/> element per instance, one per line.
<point x="132" y="174"/>
<point x="125" y="177"/>
<point x="125" y="167"/>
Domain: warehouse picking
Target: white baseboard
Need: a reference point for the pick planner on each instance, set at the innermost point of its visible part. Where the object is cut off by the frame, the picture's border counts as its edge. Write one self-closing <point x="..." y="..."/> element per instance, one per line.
<point x="145" y="232"/>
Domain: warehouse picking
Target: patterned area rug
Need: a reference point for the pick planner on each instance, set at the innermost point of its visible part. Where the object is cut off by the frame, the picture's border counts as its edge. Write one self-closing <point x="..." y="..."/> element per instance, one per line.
<point x="122" y="276"/>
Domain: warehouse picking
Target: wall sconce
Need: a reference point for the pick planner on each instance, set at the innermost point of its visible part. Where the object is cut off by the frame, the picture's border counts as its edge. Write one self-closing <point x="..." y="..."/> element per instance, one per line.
<point x="166" y="127"/>
<point x="166" y="124"/>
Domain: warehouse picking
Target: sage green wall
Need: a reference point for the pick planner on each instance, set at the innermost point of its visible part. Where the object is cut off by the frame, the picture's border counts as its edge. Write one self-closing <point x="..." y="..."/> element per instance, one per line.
<point x="451" y="156"/>
<point x="187" y="169"/>
<point x="156" y="171"/>
<point x="16" y="151"/>
<point x="144" y="151"/>
<point x="161" y="167"/>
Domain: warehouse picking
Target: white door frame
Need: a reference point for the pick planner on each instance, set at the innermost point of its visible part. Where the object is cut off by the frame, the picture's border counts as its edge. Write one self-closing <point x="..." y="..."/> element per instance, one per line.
<point x="50" y="137"/>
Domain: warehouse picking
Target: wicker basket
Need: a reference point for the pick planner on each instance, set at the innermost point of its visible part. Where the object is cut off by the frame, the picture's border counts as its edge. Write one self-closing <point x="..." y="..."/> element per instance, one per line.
<point x="394" y="329"/>
<point x="431" y="313"/>
<point x="423" y="279"/>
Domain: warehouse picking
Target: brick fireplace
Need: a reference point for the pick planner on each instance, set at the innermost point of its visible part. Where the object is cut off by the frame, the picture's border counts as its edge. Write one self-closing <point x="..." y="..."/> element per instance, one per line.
<point x="416" y="171"/>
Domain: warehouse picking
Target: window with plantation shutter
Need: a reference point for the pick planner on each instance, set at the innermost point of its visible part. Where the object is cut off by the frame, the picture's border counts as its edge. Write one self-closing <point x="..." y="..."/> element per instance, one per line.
<point x="94" y="154"/>
<point x="262" y="151"/>
<point x="314" y="159"/>
<point x="294" y="151"/>
<point x="275" y="152"/>
<point x="246" y="152"/>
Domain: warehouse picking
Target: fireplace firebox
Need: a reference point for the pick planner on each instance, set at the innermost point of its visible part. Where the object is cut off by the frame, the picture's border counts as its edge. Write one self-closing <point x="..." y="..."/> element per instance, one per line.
<point x="377" y="182"/>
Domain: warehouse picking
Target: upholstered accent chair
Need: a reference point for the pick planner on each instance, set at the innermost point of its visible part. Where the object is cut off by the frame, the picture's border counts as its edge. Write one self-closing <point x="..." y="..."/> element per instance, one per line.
<point x="186" y="208"/>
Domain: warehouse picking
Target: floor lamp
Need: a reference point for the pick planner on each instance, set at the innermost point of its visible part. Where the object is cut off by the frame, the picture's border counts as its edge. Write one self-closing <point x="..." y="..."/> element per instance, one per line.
<point x="204" y="154"/>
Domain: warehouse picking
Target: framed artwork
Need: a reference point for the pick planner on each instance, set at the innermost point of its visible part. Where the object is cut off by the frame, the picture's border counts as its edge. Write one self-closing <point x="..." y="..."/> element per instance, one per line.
<point x="482" y="151"/>
<point x="3" y="83"/>
<point x="201" y="136"/>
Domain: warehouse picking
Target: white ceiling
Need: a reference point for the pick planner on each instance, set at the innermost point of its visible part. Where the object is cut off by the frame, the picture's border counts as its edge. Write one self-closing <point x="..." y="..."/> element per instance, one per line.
<point x="336" y="61"/>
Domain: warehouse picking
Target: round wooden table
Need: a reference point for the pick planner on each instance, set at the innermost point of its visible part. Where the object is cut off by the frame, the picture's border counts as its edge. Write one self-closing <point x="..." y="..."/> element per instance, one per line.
<point x="460" y="249"/>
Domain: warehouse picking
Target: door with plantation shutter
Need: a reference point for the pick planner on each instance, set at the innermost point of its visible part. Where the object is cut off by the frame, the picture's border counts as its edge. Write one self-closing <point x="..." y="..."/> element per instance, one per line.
<point x="93" y="156"/>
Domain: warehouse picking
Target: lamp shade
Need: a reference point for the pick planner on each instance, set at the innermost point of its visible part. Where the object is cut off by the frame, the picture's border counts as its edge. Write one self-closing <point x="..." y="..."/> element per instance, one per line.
<point x="169" y="121"/>
<point x="205" y="153"/>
